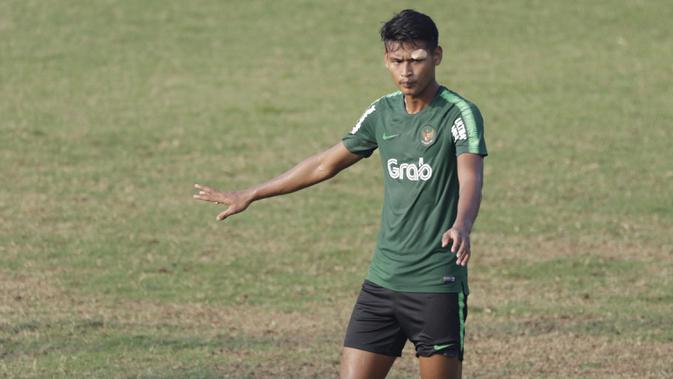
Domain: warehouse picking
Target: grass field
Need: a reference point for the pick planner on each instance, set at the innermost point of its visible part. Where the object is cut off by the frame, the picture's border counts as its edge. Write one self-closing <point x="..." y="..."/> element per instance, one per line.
<point x="111" y="110"/>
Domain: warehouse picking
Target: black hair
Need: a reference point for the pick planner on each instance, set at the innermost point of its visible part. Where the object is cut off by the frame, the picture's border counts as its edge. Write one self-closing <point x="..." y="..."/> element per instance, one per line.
<point x="410" y="26"/>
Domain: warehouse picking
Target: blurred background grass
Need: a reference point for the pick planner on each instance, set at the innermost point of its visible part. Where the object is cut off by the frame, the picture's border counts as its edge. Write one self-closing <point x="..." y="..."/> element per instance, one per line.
<point x="110" y="110"/>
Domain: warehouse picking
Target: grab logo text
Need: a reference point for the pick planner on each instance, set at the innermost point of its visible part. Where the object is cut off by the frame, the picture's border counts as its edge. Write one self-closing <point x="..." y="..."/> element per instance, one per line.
<point x="409" y="171"/>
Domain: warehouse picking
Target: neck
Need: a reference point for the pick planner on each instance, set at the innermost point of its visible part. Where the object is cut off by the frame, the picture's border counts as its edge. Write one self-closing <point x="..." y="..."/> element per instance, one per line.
<point x="415" y="104"/>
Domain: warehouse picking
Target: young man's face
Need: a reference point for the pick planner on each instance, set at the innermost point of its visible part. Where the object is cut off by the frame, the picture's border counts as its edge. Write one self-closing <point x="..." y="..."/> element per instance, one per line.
<point x="412" y="66"/>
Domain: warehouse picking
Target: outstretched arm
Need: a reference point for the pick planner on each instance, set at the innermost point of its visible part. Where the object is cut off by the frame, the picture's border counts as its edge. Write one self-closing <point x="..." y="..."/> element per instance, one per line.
<point x="310" y="171"/>
<point x="470" y="178"/>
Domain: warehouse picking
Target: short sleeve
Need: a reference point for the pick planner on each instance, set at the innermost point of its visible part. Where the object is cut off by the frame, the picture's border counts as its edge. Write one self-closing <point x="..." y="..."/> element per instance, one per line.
<point x="467" y="131"/>
<point x="361" y="140"/>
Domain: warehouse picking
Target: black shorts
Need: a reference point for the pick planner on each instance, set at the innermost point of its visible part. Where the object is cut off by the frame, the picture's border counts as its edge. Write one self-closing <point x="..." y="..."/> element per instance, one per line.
<point x="383" y="320"/>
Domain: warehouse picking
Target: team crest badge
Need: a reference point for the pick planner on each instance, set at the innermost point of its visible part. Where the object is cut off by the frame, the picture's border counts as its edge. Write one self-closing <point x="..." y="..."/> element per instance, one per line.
<point x="428" y="135"/>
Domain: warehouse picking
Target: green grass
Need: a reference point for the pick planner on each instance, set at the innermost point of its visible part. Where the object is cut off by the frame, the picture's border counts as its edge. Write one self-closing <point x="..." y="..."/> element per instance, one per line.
<point x="110" y="111"/>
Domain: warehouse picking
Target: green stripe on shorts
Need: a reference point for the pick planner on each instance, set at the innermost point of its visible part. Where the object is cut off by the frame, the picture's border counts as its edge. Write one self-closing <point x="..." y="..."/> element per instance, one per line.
<point x="461" y="316"/>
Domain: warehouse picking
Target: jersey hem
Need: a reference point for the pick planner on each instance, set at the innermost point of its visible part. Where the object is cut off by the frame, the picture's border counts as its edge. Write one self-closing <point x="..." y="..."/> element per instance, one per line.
<point x="354" y="150"/>
<point x="457" y="287"/>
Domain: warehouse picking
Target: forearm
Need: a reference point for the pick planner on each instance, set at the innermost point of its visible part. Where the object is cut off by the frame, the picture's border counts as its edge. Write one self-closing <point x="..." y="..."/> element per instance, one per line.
<point x="469" y="200"/>
<point x="470" y="178"/>
<point x="307" y="173"/>
<point x="310" y="171"/>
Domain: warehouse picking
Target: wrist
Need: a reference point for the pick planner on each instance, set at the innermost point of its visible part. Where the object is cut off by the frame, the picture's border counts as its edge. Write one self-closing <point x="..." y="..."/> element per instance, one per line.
<point x="251" y="194"/>
<point x="462" y="225"/>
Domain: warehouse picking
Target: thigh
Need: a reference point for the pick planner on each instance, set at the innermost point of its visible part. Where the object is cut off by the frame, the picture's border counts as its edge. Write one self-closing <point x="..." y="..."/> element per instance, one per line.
<point x="360" y="364"/>
<point x="373" y="326"/>
<point x="435" y="323"/>
<point x="440" y="367"/>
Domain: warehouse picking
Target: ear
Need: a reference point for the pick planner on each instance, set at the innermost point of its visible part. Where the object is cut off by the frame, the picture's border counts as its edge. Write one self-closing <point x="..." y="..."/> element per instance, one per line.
<point x="385" y="58"/>
<point x="437" y="55"/>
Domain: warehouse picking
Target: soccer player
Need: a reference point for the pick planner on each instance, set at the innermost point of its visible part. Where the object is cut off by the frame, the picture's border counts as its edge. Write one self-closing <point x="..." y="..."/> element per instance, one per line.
<point x="432" y="146"/>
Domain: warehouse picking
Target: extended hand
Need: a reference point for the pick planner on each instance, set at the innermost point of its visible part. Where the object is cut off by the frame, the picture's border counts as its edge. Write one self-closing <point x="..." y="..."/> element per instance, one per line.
<point x="460" y="246"/>
<point x="237" y="201"/>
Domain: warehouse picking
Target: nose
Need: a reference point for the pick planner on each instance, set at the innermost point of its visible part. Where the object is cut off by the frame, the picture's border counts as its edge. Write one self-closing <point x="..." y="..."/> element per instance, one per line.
<point x="406" y="70"/>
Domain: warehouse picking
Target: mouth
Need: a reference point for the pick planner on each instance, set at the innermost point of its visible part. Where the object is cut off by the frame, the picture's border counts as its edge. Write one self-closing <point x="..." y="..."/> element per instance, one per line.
<point x="407" y="84"/>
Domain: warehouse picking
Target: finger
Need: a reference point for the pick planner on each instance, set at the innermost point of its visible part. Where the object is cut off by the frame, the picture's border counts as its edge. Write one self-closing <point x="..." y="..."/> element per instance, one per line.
<point x="459" y="261"/>
<point x="461" y="250"/>
<point x="203" y="188"/>
<point x="205" y="197"/>
<point x="465" y="256"/>
<point x="445" y="239"/>
<point x="457" y="241"/>
<point x="209" y="197"/>
<point x="460" y="255"/>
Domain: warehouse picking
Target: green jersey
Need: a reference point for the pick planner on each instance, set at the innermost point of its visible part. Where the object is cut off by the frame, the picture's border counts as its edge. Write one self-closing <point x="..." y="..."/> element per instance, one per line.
<point x="418" y="155"/>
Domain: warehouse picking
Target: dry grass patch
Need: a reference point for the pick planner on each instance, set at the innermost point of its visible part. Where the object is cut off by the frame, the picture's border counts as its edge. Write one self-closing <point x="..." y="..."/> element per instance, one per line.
<point x="566" y="355"/>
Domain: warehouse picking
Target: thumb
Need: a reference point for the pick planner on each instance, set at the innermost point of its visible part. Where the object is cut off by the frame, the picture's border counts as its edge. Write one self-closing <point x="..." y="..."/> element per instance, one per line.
<point x="225" y="214"/>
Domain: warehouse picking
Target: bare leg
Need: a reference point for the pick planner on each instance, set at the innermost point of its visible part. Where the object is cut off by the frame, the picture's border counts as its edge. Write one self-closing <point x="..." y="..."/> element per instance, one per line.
<point x="440" y="367"/>
<point x="360" y="364"/>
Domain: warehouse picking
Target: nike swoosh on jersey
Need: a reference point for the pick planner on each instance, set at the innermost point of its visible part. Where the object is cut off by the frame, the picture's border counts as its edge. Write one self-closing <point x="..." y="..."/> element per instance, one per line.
<point x="387" y="137"/>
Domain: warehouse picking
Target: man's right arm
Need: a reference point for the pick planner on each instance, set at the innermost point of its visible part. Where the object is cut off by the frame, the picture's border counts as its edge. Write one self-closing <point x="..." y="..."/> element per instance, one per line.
<point x="310" y="171"/>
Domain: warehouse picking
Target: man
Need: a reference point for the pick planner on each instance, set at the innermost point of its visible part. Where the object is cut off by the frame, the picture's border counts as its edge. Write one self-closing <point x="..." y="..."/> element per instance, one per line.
<point x="432" y="147"/>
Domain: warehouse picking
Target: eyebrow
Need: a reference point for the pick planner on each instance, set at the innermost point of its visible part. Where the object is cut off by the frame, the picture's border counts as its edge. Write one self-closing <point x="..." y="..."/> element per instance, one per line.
<point x="405" y="59"/>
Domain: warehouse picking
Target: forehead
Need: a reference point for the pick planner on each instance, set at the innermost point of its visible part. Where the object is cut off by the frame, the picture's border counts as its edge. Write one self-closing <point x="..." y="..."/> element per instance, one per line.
<point x="414" y="50"/>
